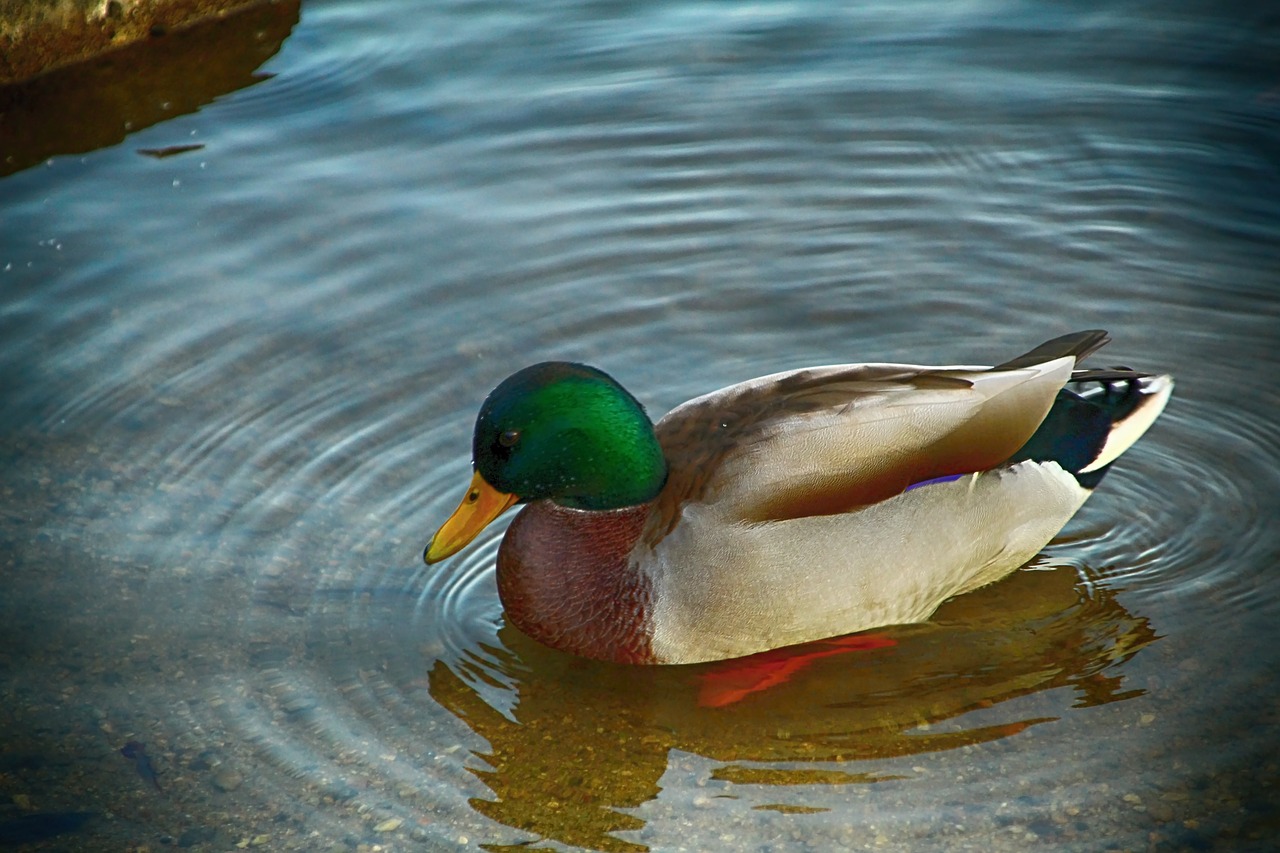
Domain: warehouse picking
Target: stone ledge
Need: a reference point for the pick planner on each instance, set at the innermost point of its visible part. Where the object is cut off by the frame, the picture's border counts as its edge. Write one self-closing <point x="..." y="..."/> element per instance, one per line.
<point x="39" y="35"/>
<point x="82" y="106"/>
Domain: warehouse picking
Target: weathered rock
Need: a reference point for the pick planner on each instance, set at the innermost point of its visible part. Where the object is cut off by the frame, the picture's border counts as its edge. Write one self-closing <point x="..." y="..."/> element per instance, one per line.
<point x="83" y="106"/>
<point x="40" y="35"/>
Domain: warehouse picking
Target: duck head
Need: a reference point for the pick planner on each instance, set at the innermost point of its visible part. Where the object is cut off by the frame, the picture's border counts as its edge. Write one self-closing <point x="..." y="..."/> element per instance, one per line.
<point x="555" y="431"/>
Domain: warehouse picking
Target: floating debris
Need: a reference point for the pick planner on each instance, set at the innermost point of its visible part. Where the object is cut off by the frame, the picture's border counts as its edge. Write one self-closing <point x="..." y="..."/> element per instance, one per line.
<point x="170" y="151"/>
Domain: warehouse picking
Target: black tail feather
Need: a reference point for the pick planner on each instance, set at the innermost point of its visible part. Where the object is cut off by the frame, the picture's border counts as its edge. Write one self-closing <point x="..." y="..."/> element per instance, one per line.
<point x="1078" y="344"/>
<point x="1072" y="434"/>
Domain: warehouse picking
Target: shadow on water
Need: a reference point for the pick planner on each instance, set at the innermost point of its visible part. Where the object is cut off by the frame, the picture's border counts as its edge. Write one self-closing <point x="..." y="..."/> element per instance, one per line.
<point x="94" y="104"/>
<point x="585" y="742"/>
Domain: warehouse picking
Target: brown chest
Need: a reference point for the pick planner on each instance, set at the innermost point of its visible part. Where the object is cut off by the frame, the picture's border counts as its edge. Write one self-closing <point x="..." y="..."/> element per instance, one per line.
<point x="567" y="578"/>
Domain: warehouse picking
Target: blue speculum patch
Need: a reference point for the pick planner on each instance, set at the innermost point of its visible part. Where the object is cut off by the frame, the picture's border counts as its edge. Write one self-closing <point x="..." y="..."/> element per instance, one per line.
<point x="946" y="479"/>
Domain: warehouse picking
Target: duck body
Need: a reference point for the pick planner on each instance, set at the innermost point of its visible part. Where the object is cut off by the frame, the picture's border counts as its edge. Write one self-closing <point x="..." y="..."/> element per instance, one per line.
<point x="797" y="506"/>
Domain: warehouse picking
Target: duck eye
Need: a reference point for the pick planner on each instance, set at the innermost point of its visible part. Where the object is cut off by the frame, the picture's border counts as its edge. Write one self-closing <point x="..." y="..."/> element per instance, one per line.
<point x="509" y="437"/>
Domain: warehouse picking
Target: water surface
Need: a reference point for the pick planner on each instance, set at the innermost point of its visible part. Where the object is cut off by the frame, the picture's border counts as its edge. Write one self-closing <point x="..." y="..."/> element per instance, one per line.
<point x="238" y="386"/>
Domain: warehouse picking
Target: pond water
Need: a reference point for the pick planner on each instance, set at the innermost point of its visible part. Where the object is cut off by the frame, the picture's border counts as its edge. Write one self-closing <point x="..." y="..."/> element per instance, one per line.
<point x="239" y="382"/>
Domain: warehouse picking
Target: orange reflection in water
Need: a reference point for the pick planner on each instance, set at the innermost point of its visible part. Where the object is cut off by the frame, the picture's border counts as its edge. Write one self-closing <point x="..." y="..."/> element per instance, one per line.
<point x="590" y="738"/>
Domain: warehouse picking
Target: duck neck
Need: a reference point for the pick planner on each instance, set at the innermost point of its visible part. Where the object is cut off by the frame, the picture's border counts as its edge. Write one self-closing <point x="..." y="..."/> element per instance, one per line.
<point x="566" y="578"/>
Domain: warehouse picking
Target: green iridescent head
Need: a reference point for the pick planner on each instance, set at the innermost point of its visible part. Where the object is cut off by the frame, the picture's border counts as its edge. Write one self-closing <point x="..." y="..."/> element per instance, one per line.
<point x="570" y="433"/>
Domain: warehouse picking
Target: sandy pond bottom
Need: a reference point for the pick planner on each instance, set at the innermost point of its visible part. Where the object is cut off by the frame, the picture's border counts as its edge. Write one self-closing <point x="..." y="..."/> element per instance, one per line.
<point x="1040" y="713"/>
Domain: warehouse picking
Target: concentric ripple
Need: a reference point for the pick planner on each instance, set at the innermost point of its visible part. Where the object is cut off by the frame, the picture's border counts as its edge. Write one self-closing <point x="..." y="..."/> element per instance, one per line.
<point x="239" y="387"/>
<point x="1223" y="463"/>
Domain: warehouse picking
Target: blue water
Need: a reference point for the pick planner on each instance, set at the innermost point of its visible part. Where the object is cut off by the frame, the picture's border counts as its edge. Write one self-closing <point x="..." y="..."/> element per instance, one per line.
<point x="238" y="383"/>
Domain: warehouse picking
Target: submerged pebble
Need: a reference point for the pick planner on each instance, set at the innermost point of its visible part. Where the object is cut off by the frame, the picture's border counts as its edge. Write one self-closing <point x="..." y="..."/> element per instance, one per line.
<point x="227" y="779"/>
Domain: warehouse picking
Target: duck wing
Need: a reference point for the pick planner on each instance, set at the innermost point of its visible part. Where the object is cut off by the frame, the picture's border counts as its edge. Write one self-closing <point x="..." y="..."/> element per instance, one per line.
<point x="827" y="440"/>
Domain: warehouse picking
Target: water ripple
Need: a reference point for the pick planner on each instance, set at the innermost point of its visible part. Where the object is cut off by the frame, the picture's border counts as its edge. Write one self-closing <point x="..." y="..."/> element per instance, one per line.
<point x="239" y="390"/>
<point x="1220" y="464"/>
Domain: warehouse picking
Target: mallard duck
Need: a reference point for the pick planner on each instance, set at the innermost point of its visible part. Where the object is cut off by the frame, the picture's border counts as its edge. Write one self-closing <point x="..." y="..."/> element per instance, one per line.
<point x="794" y="507"/>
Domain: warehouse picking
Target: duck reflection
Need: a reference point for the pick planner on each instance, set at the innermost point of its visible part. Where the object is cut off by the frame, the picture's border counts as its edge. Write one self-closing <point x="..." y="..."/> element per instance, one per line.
<point x="585" y="739"/>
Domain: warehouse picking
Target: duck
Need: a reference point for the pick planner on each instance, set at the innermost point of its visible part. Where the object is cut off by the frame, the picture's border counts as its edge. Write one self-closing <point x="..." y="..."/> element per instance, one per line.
<point x="795" y="507"/>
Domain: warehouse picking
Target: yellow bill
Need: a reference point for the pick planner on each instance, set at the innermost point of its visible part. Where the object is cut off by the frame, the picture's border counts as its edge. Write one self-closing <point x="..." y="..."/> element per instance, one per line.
<point x="481" y="505"/>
